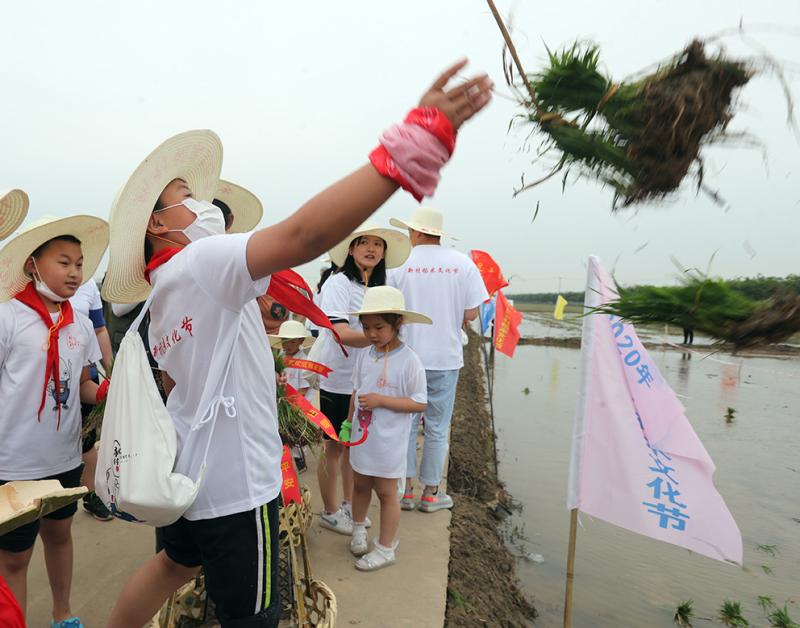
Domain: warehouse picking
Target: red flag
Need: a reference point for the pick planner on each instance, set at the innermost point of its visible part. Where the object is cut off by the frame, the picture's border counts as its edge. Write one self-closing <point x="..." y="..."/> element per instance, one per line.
<point x="290" y="490"/>
<point x="290" y="290"/>
<point x="490" y="271"/>
<point x="506" y="331"/>
<point x="312" y="414"/>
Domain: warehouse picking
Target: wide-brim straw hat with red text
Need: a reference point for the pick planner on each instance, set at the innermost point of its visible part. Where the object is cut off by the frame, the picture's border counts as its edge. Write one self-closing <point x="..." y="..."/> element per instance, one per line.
<point x="398" y="246"/>
<point x="13" y="209"/>
<point x="90" y="230"/>
<point x="389" y="300"/>
<point x="425" y="220"/>
<point x="247" y="210"/>
<point x="195" y="157"/>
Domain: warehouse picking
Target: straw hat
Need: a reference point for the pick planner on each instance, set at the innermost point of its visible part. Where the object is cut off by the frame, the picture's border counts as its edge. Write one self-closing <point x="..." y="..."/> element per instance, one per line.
<point x="13" y="209"/>
<point x="388" y="300"/>
<point x="90" y="230"/>
<point x="22" y="502"/>
<point x="425" y="220"/>
<point x="245" y="206"/>
<point x="195" y="157"/>
<point x="291" y="330"/>
<point x="398" y="246"/>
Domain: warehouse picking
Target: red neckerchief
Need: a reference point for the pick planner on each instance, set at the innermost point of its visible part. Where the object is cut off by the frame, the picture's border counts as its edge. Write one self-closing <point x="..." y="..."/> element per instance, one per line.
<point x="159" y="258"/>
<point x="31" y="298"/>
<point x="285" y="286"/>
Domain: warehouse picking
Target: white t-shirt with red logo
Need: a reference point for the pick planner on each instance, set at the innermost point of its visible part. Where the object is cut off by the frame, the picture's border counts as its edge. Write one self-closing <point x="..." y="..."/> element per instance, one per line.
<point x="33" y="447"/>
<point x="398" y="374"/>
<point x="441" y="283"/>
<point x="199" y="296"/>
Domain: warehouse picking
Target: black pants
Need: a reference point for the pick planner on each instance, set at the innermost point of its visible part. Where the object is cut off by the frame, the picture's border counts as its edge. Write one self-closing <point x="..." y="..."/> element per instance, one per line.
<point x="688" y="336"/>
<point x="239" y="556"/>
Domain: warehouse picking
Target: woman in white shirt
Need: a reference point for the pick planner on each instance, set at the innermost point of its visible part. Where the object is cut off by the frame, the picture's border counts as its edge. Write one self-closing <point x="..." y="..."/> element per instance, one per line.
<point x="362" y="259"/>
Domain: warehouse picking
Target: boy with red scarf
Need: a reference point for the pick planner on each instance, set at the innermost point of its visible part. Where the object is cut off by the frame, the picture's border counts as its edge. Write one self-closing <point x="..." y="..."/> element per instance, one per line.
<point x="45" y="351"/>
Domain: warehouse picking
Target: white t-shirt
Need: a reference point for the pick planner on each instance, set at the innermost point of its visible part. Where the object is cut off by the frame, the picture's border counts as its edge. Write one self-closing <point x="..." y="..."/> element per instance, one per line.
<point x="86" y="298"/>
<point x="339" y="295"/>
<point x="441" y="283"/>
<point x="199" y="295"/>
<point x="31" y="448"/>
<point x="297" y="378"/>
<point x="383" y="454"/>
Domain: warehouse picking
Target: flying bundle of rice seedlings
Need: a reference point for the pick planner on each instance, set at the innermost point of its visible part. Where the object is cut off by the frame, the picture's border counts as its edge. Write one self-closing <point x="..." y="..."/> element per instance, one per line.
<point x="642" y="136"/>
<point x="711" y="307"/>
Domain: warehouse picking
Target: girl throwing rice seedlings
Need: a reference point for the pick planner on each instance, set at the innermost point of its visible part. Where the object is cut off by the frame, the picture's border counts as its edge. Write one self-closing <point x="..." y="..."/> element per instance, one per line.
<point x="389" y="388"/>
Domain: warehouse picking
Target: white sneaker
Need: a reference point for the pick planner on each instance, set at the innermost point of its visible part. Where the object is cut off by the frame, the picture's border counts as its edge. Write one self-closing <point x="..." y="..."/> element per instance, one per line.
<point x="408" y="502"/>
<point x="358" y="543"/>
<point x="437" y="501"/>
<point x="338" y="522"/>
<point x="348" y="510"/>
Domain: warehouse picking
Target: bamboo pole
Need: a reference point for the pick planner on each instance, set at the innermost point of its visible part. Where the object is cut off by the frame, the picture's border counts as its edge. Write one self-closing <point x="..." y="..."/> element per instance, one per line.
<point x="512" y="49"/>
<point x="573" y="533"/>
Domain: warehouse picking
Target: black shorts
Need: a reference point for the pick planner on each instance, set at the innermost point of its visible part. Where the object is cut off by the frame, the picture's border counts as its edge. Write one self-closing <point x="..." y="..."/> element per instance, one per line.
<point x="24" y="537"/>
<point x="239" y="555"/>
<point x="335" y="406"/>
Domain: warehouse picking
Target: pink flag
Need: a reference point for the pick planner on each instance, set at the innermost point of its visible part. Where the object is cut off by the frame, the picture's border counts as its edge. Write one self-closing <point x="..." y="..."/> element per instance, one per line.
<point x="636" y="461"/>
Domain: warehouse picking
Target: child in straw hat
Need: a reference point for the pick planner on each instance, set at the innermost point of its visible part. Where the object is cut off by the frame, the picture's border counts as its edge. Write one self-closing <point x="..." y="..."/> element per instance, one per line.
<point x="362" y="259"/>
<point x="45" y="351"/>
<point x="293" y="337"/>
<point x="164" y="229"/>
<point x="389" y="389"/>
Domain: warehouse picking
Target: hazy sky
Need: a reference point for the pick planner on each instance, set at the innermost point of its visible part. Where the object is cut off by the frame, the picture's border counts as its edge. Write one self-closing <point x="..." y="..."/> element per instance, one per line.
<point x="300" y="91"/>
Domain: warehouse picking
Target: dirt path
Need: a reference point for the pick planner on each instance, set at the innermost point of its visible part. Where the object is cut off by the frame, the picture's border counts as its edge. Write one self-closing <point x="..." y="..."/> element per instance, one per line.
<point x="483" y="589"/>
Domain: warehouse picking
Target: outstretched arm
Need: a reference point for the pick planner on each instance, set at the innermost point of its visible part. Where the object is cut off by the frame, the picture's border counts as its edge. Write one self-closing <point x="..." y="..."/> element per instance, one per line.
<point x="327" y="218"/>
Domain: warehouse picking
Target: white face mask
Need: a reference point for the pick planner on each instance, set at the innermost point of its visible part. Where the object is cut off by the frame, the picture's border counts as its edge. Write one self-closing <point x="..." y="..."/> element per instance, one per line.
<point x="42" y="288"/>
<point x="209" y="221"/>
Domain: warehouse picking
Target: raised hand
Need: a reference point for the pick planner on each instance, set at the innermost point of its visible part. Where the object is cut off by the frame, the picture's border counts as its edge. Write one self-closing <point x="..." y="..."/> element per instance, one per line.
<point x="461" y="102"/>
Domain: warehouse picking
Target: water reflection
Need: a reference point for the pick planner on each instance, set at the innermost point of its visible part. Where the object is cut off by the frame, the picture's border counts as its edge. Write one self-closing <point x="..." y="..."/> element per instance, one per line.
<point x="623" y="579"/>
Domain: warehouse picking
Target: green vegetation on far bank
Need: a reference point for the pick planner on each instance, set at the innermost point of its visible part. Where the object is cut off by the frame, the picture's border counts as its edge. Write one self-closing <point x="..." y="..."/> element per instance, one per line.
<point x="757" y="288"/>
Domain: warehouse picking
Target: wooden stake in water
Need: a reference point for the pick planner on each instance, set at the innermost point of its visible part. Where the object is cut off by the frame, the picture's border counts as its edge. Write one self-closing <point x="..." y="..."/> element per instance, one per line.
<point x="573" y="533"/>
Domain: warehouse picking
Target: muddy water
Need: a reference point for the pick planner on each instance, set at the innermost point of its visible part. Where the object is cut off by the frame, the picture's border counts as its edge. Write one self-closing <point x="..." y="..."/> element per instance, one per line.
<point x="623" y="579"/>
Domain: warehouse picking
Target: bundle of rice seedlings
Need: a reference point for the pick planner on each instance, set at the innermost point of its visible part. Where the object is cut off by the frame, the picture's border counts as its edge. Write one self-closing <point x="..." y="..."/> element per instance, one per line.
<point x="293" y="426"/>
<point x="711" y="307"/>
<point x="94" y="420"/>
<point x="643" y="136"/>
<point x="640" y="137"/>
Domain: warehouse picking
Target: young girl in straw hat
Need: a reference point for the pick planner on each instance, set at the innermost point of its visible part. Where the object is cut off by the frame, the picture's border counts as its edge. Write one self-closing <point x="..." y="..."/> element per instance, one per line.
<point x="389" y="388"/>
<point x="204" y="286"/>
<point x="45" y="350"/>
<point x="362" y="259"/>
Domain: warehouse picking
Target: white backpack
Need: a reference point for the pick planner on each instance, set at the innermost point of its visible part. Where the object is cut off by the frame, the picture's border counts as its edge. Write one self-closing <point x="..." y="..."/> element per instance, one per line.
<point x="135" y="475"/>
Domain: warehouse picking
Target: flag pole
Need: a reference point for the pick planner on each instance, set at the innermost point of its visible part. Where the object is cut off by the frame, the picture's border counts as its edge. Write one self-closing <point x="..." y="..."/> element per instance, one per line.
<point x="573" y="533"/>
